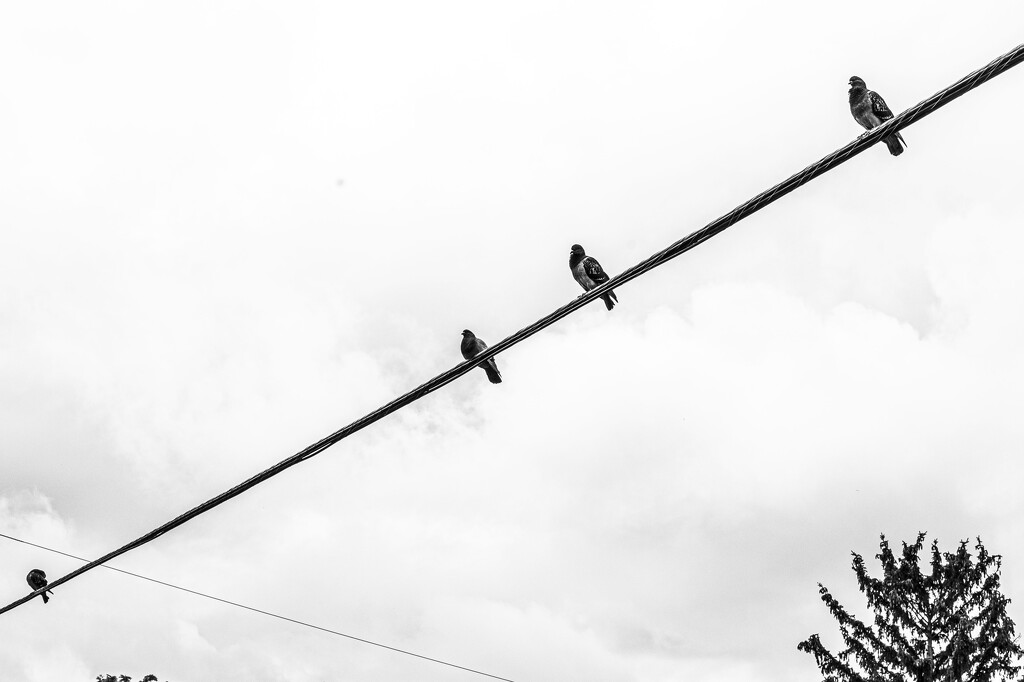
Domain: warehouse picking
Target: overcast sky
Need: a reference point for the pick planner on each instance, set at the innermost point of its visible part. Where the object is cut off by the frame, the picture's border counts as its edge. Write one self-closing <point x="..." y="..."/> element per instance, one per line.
<point x="230" y="228"/>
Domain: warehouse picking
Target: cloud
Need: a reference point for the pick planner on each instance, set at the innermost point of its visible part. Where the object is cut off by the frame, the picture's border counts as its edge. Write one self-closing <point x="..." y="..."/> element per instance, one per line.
<point x="30" y="514"/>
<point x="652" y="493"/>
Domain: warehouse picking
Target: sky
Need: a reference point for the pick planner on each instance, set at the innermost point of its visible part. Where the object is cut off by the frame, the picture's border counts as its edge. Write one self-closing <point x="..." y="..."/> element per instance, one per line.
<point x="232" y="228"/>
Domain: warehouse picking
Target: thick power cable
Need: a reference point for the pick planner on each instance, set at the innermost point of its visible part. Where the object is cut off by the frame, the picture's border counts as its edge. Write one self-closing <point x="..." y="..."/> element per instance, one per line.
<point x="911" y="115"/>
<point x="253" y="608"/>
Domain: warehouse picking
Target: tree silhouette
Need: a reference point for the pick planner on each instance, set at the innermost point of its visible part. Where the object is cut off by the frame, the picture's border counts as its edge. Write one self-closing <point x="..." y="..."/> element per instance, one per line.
<point x="947" y="625"/>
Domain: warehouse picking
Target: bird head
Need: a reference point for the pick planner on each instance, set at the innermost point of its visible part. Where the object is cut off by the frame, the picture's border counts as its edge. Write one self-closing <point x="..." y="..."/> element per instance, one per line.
<point x="857" y="82"/>
<point x="577" y="250"/>
<point x="466" y="333"/>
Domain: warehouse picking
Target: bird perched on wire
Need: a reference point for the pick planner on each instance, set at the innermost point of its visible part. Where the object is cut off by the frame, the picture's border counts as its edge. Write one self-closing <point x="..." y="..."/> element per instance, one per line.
<point x="37" y="580"/>
<point x="589" y="273"/>
<point x="869" y="110"/>
<point x="473" y="346"/>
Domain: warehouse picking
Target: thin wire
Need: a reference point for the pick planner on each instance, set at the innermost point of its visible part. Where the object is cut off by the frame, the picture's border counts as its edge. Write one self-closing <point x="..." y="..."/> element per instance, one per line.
<point x="840" y="156"/>
<point x="252" y="608"/>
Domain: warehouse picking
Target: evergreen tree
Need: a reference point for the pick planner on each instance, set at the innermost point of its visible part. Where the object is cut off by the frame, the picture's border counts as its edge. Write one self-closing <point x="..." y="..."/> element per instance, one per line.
<point x="946" y="625"/>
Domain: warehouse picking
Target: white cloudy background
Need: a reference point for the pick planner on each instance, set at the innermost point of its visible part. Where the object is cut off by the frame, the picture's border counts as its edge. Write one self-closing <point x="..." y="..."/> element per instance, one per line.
<point x="231" y="228"/>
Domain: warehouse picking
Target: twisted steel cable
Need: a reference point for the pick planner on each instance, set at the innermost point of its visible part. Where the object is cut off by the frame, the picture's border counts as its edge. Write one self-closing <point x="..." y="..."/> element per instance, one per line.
<point x="840" y="156"/>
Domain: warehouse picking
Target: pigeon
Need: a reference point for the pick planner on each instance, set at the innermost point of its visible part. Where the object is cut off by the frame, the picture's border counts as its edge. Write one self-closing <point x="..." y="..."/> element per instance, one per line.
<point x="588" y="272"/>
<point x="472" y="347"/>
<point x="37" y="580"/>
<point x="869" y="110"/>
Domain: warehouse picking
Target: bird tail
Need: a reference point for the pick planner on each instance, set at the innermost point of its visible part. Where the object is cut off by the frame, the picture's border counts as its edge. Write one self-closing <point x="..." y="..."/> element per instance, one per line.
<point x="610" y="299"/>
<point x="893" y="143"/>
<point x="493" y="375"/>
<point x="45" y="598"/>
